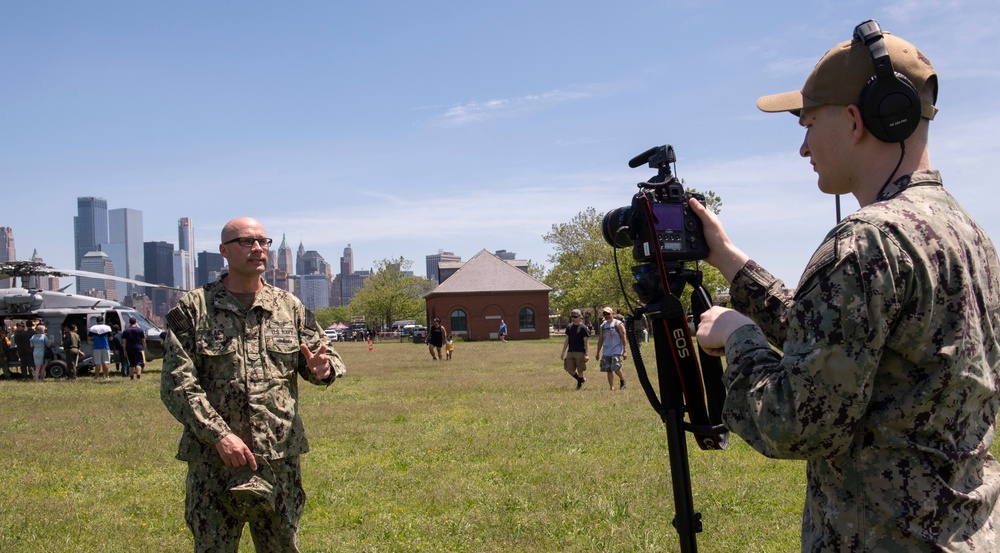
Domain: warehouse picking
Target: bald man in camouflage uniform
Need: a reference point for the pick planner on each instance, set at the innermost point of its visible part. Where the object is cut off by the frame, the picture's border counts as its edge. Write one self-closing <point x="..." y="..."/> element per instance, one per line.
<point x="888" y="381"/>
<point x="233" y="349"/>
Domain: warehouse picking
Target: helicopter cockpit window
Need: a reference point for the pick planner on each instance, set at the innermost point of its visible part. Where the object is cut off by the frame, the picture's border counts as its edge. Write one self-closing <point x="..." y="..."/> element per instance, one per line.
<point x="141" y="321"/>
<point x="111" y="318"/>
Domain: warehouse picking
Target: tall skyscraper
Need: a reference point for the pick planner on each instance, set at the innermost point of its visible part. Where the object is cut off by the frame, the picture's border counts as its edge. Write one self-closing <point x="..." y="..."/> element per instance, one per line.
<point x="125" y="227"/>
<point x="210" y="266"/>
<point x="97" y="262"/>
<point x="185" y="234"/>
<point x="158" y="264"/>
<point x="117" y="254"/>
<point x="311" y="263"/>
<point x="350" y="284"/>
<point x="185" y="243"/>
<point x="7" y="253"/>
<point x="435" y="259"/>
<point x="284" y="261"/>
<point x="183" y="269"/>
<point x="125" y="236"/>
<point x="347" y="261"/>
<point x="298" y="257"/>
<point x="315" y="291"/>
<point x="90" y="228"/>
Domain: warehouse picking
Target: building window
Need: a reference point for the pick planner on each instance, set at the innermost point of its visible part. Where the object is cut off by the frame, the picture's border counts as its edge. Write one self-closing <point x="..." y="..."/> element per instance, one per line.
<point x="526" y="319"/>
<point x="459" y="322"/>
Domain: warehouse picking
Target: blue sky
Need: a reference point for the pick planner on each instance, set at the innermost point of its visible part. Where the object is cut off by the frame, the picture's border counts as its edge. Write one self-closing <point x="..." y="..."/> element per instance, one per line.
<point x="403" y="128"/>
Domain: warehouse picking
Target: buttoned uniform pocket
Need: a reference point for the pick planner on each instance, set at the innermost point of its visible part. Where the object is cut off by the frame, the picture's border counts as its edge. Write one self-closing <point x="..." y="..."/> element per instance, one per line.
<point x="219" y="363"/>
<point x="283" y="351"/>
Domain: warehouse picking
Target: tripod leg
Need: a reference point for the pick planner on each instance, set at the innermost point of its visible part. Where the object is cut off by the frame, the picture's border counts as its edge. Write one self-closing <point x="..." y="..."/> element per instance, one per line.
<point x="686" y="520"/>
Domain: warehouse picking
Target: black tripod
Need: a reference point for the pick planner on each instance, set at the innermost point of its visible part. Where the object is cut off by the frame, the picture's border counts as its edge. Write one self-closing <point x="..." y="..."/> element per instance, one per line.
<point x="684" y="388"/>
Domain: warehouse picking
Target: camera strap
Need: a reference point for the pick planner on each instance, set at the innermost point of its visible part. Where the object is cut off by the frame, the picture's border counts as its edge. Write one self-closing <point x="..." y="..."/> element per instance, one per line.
<point x="701" y="383"/>
<point x="700" y="375"/>
<point x="711" y="370"/>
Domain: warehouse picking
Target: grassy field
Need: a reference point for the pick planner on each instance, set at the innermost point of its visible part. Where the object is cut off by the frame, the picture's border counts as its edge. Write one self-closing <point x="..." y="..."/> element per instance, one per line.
<point x="493" y="451"/>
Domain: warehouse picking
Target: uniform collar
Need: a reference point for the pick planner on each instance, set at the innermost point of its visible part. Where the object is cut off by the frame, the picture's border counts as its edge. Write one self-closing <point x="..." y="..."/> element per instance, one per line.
<point x="916" y="178"/>
<point x="218" y="296"/>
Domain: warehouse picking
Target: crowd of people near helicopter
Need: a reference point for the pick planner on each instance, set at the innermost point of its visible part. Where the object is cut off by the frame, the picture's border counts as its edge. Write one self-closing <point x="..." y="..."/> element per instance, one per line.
<point x="29" y="349"/>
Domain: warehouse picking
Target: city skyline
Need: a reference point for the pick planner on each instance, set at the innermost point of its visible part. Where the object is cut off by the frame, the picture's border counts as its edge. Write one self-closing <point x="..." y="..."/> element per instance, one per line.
<point x="122" y="224"/>
<point x="125" y="250"/>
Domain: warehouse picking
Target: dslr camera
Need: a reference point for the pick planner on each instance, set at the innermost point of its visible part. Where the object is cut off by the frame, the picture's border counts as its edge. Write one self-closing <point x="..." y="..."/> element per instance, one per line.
<point x="658" y="225"/>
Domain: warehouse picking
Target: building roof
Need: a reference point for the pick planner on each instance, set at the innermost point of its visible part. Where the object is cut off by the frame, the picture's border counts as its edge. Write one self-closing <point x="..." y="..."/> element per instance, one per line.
<point x="486" y="272"/>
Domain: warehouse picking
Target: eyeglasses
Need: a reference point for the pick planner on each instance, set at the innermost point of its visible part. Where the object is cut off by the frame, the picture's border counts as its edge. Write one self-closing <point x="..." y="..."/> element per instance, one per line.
<point x="248" y="241"/>
<point x="574" y="316"/>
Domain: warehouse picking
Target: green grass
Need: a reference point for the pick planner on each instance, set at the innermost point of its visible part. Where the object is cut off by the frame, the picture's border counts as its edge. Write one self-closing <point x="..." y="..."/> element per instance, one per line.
<point x="493" y="451"/>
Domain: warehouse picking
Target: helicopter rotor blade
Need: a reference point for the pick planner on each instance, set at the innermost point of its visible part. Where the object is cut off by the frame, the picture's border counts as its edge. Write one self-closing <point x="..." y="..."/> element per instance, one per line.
<point x="25" y="269"/>
<point x="88" y="274"/>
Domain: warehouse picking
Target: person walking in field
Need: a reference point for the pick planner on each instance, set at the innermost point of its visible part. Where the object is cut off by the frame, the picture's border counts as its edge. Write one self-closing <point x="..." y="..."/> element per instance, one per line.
<point x="576" y="348"/>
<point x="611" y="347"/>
<point x="436" y="337"/>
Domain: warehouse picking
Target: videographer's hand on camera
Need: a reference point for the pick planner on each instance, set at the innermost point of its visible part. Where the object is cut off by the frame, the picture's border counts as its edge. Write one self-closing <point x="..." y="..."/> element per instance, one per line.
<point x="722" y="254"/>
<point x="716" y="325"/>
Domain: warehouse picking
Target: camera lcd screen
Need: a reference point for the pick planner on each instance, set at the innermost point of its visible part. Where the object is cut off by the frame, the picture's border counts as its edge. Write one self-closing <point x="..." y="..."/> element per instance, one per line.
<point x="669" y="216"/>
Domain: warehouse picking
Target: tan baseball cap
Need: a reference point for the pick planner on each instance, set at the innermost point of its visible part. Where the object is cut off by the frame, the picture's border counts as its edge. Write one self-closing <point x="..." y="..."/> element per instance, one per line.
<point x="575" y="313"/>
<point x="844" y="70"/>
<point x="607" y="310"/>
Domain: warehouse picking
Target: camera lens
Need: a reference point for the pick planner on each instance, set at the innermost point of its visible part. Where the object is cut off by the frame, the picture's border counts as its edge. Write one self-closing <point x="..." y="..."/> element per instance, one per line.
<point x="614" y="227"/>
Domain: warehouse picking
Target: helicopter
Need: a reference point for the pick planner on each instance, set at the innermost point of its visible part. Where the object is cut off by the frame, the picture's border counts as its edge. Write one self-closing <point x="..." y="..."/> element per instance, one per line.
<point x="56" y="308"/>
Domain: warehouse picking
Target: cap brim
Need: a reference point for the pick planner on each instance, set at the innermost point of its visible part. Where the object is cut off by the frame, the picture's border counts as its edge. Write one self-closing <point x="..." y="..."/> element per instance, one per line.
<point x="786" y="101"/>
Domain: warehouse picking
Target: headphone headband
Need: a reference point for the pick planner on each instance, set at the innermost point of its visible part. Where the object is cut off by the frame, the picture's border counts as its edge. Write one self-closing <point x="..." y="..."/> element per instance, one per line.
<point x="890" y="105"/>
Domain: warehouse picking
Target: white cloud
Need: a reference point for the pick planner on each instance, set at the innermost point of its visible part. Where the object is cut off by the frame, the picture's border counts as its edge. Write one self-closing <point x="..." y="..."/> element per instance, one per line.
<point x="477" y="112"/>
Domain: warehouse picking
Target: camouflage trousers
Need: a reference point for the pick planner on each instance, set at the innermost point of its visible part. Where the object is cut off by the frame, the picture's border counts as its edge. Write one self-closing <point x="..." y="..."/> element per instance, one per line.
<point x="216" y="530"/>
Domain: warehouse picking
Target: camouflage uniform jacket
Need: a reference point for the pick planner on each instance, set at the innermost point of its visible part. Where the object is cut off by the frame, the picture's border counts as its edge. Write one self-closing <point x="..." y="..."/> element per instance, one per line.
<point x="227" y="369"/>
<point x="888" y="382"/>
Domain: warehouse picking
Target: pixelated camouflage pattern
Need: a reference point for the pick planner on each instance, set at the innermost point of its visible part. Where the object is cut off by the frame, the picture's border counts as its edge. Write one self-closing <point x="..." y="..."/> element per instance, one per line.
<point x="888" y="385"/>
<point x="227" y="369"/>
<point x="71" y="349"/>
<point x="216" y="530"/>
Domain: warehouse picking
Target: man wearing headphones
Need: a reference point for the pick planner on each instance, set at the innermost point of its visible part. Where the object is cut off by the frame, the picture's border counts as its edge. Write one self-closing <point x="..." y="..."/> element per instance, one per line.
<point x="887" y="384"/>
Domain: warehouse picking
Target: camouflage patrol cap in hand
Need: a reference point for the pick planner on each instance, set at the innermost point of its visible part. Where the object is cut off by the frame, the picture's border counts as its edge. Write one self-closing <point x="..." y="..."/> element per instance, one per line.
<point x="250" y="496"/>
<point x="844" y="70"/>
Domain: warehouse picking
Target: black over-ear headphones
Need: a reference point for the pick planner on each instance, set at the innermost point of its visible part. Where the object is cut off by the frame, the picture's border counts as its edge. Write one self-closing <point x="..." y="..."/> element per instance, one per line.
<point x="890" y="105"/>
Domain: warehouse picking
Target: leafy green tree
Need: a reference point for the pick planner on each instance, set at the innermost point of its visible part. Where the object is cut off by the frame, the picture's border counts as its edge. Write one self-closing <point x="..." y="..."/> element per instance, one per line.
<point x="326" y="316"/>
<point x="390" y="294"/>
<point x="536" y="270"/>
<point x="583" y="273"/>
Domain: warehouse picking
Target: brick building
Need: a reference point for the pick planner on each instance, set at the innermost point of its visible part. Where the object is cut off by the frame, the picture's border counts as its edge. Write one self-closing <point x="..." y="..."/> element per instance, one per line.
<point x="473" y="300"/>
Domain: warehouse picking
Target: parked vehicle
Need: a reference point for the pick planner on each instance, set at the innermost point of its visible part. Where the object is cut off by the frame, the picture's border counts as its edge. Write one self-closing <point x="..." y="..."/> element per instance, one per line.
<point x="418" y="333"/>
